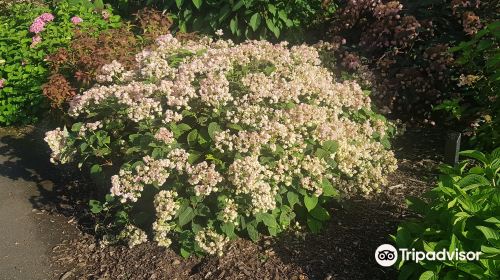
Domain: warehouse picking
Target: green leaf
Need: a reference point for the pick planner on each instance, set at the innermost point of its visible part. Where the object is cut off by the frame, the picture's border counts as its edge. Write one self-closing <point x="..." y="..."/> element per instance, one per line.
<point x="310" y="202"/>
<point x="273" y="28"/>
<point x="428" y="275"/>
<point x="194" y="156"/>
<point x="475" y="155"/>
<point x="489" y="233"/>
<point x="286" y="217"/>
<point x="293" y="198"/>
<point x="331" y="146"/>
<point x="416" y="204"/>
<point x="197" y="3"/>
<point x="95" y="169"/>
<point x="228" y="229"/>
<point x="314" y="225"/>
<point x="472" y="269"/>
<point x="192" y="137"/>
<point x="255" y="21"/>
<point x="238" y="5"/>
<point x="185" y="253"/>
<point x="328" y="189"/>
<point x="407" y="270"/>
<point x="233" y="25"/>
<point x="271" y="8"/>
<point x="320" y="213"/>
<point x="186" y="216"/>
<point x="253" y="233"/>
<point x="179" y="3"/>
<point x="269" y="220"/>
<point x="95" y="206"/>
<point x="213" y="128"/>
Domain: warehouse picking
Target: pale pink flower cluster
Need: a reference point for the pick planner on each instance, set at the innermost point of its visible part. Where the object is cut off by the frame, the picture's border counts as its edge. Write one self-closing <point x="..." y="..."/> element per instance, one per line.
<point x="211" y="242"/>
<point x="57" y="141"/>
<point x="129" y="184"/>
<point x="164" y="135"/>
<point x="2" y="82"/>
<point x="113" y="72"/>
<point x="251" y="178"/>
<point x="204" y="178"/>
<point x="166" y="208"/>
<point x="93" y="126"/>
<point x="230" y="212"/>
<point x="133" y="235"/>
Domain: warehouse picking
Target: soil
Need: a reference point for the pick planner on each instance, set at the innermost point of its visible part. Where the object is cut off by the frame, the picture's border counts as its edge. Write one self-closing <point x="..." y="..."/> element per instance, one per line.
<point x="344" y="250"/>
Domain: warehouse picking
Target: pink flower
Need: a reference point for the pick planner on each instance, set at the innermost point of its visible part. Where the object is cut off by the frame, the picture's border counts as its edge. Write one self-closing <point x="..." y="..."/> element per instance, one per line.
<point x="35" y="40"/>
<point x="76" y="20"/>
<point x="37" y="26"/>
<point x="2" y="81"/>
<point x="46" y="17"/>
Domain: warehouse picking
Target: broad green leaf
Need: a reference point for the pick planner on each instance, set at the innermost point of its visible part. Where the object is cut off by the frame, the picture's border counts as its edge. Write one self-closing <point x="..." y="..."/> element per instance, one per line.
<point x="238" y="5"/>
<point x="186" y="216"/>
<point x="253" y="233"/>
<point x="293" y="198"/>
<point x="95" y="206"/>
<point x="192" y="137"/>
<point x="489" y="233"/>
<point x="255" y="21"/>
<point x="197" y="3"/>
<point x="328" y="189"/>
<point x="428" y="275"/>
<point x="269" y="220"/>
<point x="475" y="155"/>
<point x="213" y="128"/>
<point x="233" y="25"/>
<point x="331" y="146"/>
<point x="95" y="169"/>
<point x="310" y="202"/>
<point x="314" y="225"/>
<point x="179" y="3"/>
<point x="272" y="27"/>
<point x="320" y="213"/>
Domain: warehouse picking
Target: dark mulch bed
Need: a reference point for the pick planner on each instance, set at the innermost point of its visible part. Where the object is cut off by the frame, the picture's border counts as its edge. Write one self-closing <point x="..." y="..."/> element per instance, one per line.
<point x="344" y="250"/>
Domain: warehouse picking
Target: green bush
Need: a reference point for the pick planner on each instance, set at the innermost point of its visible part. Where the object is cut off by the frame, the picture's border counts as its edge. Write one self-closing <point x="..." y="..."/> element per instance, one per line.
<point x="255" y="19"/>
<point x="23" y="68"/>
<point x="463" y="213"/>
<point x="477" y="104"/>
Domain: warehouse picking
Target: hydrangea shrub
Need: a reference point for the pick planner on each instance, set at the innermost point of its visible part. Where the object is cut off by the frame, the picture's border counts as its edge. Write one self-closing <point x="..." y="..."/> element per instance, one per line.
<point x="208" y="140"/>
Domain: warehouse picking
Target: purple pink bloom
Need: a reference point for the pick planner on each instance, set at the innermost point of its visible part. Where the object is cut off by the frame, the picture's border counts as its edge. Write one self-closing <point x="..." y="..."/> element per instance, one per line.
<point x="76" y="20"/>
<point x="46" y="17"/>
<point x="37" y="26"/>
<point x="35" y="40"/>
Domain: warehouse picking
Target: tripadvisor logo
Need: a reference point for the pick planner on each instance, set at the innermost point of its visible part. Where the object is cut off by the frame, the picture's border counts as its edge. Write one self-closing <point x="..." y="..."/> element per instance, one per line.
<point x="386" y="255"/>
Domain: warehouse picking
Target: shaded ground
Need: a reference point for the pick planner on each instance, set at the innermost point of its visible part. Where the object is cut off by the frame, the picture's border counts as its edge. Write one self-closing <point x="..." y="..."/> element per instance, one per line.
<point x="343" y="251"/>
<point x="27" y="232"/>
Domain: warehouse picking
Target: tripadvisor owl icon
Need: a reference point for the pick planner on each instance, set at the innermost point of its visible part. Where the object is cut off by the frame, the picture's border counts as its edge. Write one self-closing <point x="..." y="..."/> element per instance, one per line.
<point x="386" y="255"/>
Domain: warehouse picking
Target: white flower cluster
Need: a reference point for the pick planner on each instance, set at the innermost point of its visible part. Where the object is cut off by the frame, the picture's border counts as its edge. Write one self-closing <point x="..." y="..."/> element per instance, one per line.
<point x="57" y="141"/>
<point x="133" y="235"/>
<point x="166" y="208"/>
<point x="204" y="178"/>
<point x="211" y="242"/>
<point x="230" y="212"/>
